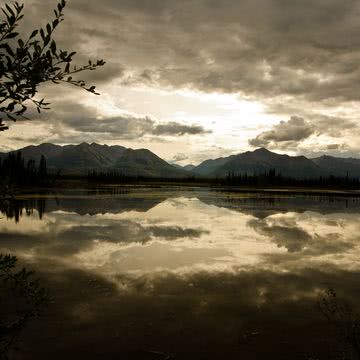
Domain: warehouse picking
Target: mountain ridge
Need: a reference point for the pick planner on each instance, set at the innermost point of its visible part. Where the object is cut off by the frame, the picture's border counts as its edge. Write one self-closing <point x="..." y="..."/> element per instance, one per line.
<point x="262" y="160"/>
<point x="81" y="158"/>
<point x="84" y="157"/>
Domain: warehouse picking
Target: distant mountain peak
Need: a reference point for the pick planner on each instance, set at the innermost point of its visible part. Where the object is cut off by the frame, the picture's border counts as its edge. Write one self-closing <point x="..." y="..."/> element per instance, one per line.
<point x="259" y="161"/>
<point x="262" y="150"/>
<point x="189" y="167"/>
<point x="47" y="144"/>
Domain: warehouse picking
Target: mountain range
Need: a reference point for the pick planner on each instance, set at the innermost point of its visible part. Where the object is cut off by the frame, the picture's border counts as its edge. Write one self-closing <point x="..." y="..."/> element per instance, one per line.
<point x="79" y="159"/>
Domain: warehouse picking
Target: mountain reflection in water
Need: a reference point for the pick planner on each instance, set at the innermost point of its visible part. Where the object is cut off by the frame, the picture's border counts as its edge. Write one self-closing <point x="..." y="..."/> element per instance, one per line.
<point x="159" y="273"/>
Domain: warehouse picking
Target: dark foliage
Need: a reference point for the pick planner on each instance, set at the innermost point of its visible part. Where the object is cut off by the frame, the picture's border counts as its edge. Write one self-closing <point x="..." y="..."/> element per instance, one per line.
<point x="26" y="63"/>
<point x="272" y="178"/>
<point x="19" y="289"/>
<point x="267" y="179"/>
<point x="16" y="171"/>
<point x="107" y="176"/>
<point x="15" y="209"/>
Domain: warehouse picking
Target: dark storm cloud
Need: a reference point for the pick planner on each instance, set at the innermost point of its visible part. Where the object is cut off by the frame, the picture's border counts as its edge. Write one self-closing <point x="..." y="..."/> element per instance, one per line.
<point x="258" y="47"/>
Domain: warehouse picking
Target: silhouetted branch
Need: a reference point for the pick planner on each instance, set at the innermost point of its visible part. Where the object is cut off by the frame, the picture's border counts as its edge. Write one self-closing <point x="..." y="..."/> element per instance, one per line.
<point x="25" y="64"/>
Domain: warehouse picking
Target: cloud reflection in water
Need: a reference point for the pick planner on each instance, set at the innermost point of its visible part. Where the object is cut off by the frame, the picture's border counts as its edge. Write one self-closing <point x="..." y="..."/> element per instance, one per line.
<point x="186" y="262"/>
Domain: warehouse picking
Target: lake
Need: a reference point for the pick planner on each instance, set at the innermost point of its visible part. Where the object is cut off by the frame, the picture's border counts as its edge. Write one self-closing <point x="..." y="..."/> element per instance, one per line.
<point x="174" y="273"/>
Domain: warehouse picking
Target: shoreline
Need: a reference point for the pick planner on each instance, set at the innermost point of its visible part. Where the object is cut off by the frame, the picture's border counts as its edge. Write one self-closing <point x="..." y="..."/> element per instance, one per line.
<point x="269" y="190"/>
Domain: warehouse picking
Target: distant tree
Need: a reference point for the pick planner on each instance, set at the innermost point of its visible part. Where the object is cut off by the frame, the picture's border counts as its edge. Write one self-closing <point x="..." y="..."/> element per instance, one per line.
<point x="42" y="166"/>
<point x="18" y="172"/>
<point x="27" y="63"/>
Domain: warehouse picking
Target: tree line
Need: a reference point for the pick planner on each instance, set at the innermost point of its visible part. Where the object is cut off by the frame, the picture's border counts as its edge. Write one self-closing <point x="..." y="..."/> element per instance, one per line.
<point x="263" y="179"/>
<point x="272" y="177"/>
<point x="16" y="171"/>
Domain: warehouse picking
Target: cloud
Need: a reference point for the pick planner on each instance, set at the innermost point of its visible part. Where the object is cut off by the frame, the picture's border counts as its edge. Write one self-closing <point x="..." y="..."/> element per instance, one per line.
<point x="174" y="128"/>
<point x="300" y="54"/>
<point x="334" y="126"/>
<point x="176" y="232"/>
<point x="289" y="134"/>
<point x="286" y="233"/>
<point x="334" y="146"/>
<point x="72" y="122"/>
<point x="294" y="130"/>
<point x="4" y="149"/>
<point x="81" y="236"/>
<point x="131" y="127"/>
<point x="299" y="49"/>
<point x="180" y="157"/>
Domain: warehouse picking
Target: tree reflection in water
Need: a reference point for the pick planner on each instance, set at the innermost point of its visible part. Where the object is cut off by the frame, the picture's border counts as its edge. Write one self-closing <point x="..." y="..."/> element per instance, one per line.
<point x="14" y="209"/>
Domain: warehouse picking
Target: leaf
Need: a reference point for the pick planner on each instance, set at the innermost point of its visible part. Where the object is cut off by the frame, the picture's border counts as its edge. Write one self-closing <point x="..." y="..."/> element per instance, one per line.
<point x="12" y="20"/>
<point x="10" y="10"/>
<point x="53" y="47"/>
<point x="8" y="49"/>
<point x="10" y="117"/>
<point x="11" y="35"/>
<point x="34" y="33"/>
<point x="6" y="14"/>
<point x="47" y="40"/>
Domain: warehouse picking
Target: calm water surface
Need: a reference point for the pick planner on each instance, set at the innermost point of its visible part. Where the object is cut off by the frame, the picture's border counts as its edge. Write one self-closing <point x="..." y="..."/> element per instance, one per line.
<point x="144" y="273"/>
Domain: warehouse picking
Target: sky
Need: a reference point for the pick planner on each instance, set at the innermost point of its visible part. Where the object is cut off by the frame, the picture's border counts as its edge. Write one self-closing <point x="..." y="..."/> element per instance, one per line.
<point x="198" y="79"/>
